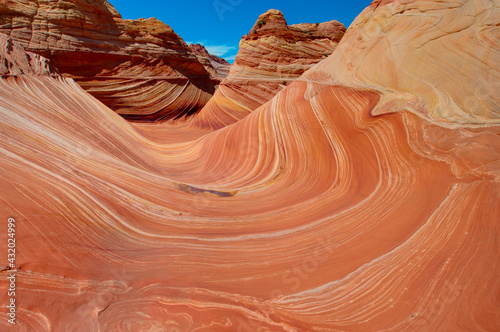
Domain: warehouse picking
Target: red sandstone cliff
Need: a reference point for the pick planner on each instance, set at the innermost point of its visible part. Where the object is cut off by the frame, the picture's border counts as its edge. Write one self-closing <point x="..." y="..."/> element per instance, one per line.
<point x="140" y="68"/>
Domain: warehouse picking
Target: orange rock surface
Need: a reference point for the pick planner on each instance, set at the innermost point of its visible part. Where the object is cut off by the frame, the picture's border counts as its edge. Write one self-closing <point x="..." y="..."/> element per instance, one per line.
<point x="271" y="56"/>
<point x="140" y="68"/>
<point x="357" y="199"/>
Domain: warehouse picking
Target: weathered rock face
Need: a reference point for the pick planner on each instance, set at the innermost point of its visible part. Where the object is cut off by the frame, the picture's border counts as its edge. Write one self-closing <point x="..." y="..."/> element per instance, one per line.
<point x="15" y="61"/>
<point x="219" y="65"/>
<point x="271" y="56"/>
<point x="310" y="214"/>
<point x="140" y="68"/>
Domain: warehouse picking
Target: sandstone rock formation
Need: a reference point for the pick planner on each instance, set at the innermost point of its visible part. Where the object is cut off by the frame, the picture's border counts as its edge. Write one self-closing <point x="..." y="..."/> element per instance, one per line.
<point x="271" y="56"/>
<point x="140" y="68"/>
<point x="14" y="60"/>
<point x="219" y="65"/>
<point x="445" y="45"/>
<point x="319" y="211"/>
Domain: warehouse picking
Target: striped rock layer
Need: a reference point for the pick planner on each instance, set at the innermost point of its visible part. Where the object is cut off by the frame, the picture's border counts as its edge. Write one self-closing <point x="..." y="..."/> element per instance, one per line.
<point x="270" y="56"/>
<point x="328" y="208"/>
<point x="140" y="68"/>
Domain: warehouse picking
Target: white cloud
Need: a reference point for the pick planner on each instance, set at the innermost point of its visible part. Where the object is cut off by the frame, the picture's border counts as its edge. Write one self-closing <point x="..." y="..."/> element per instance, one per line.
<point x="218" y="50"/>
<point x="230" y="58"/>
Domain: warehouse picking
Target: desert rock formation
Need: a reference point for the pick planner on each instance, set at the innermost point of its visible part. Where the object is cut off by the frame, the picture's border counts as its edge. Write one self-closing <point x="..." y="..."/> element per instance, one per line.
<point x="356" y="199"/>
<point x="140" y="68"/>
<point x="270" y="56"/>
<point x="447" y="45"/>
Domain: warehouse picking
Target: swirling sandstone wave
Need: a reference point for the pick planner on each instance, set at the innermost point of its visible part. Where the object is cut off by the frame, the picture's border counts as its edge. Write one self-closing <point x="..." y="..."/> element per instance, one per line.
<point x="271" y="56"/>
<point x="310" y="214"/>
<point x="140" y="68"/>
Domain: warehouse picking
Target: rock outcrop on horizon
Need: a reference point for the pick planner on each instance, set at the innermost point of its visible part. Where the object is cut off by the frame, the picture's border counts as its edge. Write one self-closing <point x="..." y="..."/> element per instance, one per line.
<point x="364" y="196"/>
<point x="140" y="68"/>
<point x="219" y="65"/>
<point x="270" y="57"/>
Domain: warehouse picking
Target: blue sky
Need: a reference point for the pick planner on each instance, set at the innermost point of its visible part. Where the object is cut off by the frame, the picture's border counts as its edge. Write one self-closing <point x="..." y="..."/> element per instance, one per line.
<point x="220" y="24"/>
